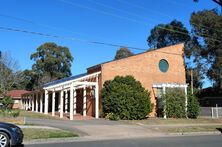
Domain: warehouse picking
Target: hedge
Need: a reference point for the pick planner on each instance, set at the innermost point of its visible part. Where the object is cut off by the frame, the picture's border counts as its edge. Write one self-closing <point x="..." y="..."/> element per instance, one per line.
<point x="125" y="98"/>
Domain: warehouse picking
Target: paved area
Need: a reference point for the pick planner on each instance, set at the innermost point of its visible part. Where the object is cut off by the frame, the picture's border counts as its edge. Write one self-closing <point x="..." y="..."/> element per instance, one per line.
<point x="37" y="127"/>
<point x="97" y="127"/>
<point x="178" y="141"/>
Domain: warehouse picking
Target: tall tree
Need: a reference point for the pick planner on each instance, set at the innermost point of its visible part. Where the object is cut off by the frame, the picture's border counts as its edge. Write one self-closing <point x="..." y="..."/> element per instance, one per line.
<point x="29" y="82"/>
<point x="123" y="52"/>
<point x="167" y="34"/>
<point x="9" y="73"/>
<point x="173" y="33"/>
<point x="52" y="62"/>
<point x="207" y="24"/>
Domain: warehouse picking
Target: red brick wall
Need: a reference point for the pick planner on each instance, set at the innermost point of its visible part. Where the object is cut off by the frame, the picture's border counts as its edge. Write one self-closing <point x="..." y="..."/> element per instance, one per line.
<point x="145" y="68"/>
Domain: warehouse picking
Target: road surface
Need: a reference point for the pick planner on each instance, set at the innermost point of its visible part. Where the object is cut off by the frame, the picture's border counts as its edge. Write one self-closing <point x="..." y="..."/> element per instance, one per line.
<point x="178" y="141"/>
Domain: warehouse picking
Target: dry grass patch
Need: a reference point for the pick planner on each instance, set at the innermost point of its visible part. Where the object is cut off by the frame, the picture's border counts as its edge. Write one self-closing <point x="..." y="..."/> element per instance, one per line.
<point x="161" y="121"/>
<point x="17" y="120"/>
<point x="192" y="129"/>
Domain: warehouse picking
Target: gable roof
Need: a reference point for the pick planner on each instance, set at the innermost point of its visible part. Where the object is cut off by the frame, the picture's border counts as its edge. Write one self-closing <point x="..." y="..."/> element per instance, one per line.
<point x="149" y="50"/>
<point x="15" y="94"/>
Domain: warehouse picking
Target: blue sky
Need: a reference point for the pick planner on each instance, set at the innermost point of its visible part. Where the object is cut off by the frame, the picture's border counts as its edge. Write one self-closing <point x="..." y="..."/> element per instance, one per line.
<point x="125" y="22"/>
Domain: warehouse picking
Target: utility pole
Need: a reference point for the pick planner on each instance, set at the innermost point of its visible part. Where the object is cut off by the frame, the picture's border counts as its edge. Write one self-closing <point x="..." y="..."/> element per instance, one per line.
<point x="191" y="77"/>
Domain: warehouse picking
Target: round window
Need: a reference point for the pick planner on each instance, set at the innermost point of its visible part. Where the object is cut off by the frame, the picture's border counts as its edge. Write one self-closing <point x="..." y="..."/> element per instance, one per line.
<point x="163" y="65"/>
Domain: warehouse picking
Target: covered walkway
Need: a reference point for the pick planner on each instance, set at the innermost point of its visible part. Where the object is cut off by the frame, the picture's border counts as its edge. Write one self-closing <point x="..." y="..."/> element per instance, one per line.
<point x="66" y="97"/>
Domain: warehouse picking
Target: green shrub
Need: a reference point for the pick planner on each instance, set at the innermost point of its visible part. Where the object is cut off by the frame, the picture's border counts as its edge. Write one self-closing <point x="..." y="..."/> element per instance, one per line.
<point x="7" y="101"/>
<point x="125" y="98"/>
<point x="9" y="113"/>
<point x="193" y="107"/>
<point x="174" y="100"/>
<point x="15" y="113"/>
<point x="112" y="116"/>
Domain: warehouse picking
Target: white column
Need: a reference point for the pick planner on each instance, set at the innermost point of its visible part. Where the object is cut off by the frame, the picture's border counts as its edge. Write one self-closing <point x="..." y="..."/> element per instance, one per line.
<point x="33" y="104"/>
<point x="36" y="102"/>
<point x="41" y="103"/>
<point x="46" y="109"/>
<point x="29" y="102"/>
<point x="186" y="100"/>
<point x="164" y="107"/>
<point x="66" y="101"/>
<point x="74" y="97"/>
<point x="23" y="103"/>
<point x="61" y="103"/>
<point x="53" y="103"/>
<point x="71" y="102"/>
<point x="26" y="103"/>
<point x="97" y="98"/>
<point x="84" y="101"/>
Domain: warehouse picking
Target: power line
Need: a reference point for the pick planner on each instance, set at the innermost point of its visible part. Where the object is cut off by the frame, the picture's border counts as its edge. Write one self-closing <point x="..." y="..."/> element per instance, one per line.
<point x="79" y="40"/>
<point x="107" y="13"/>
<point x="68" y="38"/>
<point x="198" y="25"/>
<point x="56" y="28"/>
<point x="163" y="14"/>
<point x="40" y="24"/>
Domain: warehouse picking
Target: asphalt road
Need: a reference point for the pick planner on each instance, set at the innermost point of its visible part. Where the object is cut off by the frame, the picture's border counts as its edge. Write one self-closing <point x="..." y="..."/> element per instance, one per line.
<point x="178" y="141"/>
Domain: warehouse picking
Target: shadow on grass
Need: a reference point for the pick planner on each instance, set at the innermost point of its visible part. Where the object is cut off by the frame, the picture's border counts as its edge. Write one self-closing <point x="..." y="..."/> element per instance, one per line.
<point x="219" y="129"/>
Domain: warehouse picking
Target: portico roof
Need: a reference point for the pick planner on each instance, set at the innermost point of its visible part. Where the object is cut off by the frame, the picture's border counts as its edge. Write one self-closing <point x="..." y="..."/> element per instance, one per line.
<point x="64" y="80"/>
<point x="77" y="81"/>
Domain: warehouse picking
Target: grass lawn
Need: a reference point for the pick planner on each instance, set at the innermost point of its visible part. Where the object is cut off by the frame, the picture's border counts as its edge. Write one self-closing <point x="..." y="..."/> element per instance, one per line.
<point x="171" y="125"/>
<point x="17" y="120"/>
<point x="161" y="121"/>
<point x="32" y="133"/>
<point x="192" y="129"/>
<point x="20" y="119"/>
<point x="24" y="113"/>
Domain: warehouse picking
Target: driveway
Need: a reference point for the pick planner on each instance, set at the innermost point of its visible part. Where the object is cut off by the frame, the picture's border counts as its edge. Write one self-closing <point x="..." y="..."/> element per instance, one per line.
<point x="97" y="128"/>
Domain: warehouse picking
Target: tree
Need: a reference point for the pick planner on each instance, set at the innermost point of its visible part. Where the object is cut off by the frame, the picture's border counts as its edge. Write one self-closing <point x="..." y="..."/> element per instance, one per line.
<point x="52" y="62"/>
<point x="173" y="33"/>
<point x="29" y="82"/>
<point x="167" y="34"/>
<point x="123" y="52"/>
<point x="9" y="73"/>
<point x="7" y="102"/>
<point x="207" y="25"/>
<point x="193" y="106"/>
<point x="125" y="98"/>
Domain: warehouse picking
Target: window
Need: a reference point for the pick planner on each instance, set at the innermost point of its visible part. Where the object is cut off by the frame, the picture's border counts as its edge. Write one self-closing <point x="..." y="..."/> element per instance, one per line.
<point x="163" y="65"/>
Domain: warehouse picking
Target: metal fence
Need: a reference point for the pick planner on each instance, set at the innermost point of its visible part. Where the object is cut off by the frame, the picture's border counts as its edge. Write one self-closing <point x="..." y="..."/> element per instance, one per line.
<point x="213" y="112"/>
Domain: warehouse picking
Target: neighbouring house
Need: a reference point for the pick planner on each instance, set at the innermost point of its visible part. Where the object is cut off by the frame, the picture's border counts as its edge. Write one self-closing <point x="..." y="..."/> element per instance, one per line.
<point x="156" y="69"/>
<point x="16" y="96"/>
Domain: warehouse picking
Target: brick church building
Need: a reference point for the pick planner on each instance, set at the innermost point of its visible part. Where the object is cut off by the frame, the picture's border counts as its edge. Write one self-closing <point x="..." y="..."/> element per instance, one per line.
<point x="156" y="70"/>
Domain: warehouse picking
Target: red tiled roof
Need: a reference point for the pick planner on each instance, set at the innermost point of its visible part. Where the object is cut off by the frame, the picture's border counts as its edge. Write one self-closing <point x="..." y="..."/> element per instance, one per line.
<point x="16" y="93"/>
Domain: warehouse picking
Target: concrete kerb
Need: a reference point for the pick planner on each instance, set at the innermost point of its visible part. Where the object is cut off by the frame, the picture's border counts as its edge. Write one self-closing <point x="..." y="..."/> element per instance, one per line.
<point x="100" y="138"/>
<point x="89" y="131"/>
